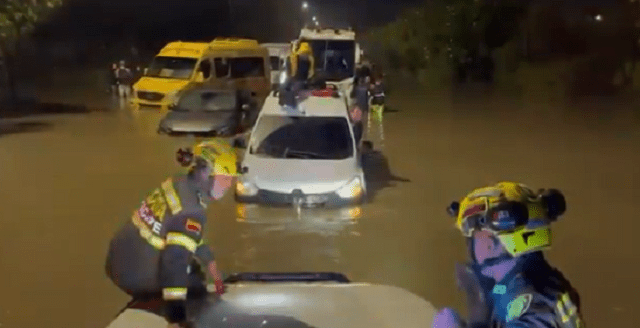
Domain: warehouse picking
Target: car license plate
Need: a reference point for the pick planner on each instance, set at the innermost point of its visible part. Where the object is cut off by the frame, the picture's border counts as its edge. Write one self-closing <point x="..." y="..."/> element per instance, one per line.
<point x="314" y="199"/>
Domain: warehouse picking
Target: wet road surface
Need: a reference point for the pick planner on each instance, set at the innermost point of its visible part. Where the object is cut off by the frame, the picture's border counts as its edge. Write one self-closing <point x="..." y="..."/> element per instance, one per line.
<point x="68" y="181"/>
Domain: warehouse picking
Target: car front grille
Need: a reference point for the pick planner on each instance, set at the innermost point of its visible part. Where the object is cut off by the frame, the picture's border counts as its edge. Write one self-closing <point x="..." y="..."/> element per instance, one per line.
<point x="151" y="96"/>
<point x="276" y="198"/>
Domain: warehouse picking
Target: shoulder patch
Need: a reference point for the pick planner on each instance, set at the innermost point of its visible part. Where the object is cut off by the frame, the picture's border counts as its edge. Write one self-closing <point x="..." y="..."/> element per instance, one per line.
<point x="193" y="226"/>
<point x="518" y="306"/>
<point x="171" y="196"/>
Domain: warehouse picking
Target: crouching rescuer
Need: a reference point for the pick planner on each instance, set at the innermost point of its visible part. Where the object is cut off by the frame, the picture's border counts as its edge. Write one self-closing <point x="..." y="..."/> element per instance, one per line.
<point x="160" y="252"/>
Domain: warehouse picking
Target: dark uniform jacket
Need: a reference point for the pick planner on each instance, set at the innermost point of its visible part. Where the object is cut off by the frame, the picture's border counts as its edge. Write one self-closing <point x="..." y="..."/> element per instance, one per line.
<point x="361" y="94"/>
<point x="153" y="251"/>
<point x="377" y="94"/>
<point x="538" y="296"/>
<point x="124" y="76"/>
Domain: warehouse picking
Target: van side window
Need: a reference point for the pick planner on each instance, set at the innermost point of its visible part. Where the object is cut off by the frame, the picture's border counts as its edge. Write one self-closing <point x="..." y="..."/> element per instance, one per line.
<point x="275" y="63"/>
<point x="222" y="67"/>
<point x="246" y="67"/>
<point x="205" y="68"/>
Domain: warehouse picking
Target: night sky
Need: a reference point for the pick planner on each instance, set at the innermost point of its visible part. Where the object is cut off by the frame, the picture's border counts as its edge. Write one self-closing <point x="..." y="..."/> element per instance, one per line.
<point x="266" y="20"/>
<point x="202" y="19"/>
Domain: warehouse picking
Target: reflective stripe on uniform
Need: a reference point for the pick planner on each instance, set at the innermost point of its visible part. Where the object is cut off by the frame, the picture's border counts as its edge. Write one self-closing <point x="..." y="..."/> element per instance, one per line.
<point x="146" y="233"/>
<point x="176" y="238"/>
<point x="566" y="308"/>
<point x="172" y="196"/>
<point x="174" y="293"/>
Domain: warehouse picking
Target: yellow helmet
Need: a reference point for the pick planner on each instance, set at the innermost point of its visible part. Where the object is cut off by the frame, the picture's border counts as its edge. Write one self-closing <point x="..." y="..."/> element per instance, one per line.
<point x="217" y="153"/>
<point x="304" y="48"/>
<point x="517" y="216"/>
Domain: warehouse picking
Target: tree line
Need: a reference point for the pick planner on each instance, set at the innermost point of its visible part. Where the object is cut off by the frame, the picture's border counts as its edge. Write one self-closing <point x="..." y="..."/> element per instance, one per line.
<point x="451" y="31"/>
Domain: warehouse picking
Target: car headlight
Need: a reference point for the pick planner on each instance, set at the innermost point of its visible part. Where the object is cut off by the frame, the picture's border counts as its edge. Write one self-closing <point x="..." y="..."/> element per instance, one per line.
<point x="351" y="190"/>
<point x="244" y="188"/>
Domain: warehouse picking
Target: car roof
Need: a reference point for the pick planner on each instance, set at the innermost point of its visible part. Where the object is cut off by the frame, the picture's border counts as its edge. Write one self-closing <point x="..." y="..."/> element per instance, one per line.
<point x="309" y="107"/>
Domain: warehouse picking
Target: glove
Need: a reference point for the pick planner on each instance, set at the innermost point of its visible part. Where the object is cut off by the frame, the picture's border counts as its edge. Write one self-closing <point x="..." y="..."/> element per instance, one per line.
<point x="220" y="288"/>
<point x="475" y="287"/>
<point x="447" y="318"/>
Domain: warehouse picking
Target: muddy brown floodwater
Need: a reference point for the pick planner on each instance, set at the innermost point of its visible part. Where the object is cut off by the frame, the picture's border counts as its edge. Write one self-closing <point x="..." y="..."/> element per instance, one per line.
<point x="67" y="185"/>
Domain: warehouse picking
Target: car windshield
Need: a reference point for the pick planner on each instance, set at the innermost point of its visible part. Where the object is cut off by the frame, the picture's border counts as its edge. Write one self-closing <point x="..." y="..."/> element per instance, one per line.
<point x="302" y="137"/>
<point x="206" y="100"/>
<point x="335" y="60"/>
<point x="172" y="67"/>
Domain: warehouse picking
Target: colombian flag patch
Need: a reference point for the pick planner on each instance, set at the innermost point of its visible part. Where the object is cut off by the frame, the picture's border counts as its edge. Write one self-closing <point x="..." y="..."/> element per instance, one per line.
<point x="193" y="226"/>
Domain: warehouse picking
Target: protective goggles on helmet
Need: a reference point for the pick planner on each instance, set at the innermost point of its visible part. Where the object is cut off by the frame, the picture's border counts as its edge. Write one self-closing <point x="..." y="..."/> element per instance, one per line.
<point x="216" y="154"/>
<point x="499" y="218"/>
<point x="507" y="207"/>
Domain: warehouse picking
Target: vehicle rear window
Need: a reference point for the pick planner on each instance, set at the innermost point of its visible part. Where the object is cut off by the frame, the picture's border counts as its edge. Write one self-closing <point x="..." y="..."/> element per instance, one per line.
<point x="275" y="63"/>
<point x="205" y="100"/>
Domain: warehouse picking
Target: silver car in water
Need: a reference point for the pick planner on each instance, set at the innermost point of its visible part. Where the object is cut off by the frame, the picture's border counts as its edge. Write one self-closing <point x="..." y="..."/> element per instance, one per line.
<point x="210" y="112"/>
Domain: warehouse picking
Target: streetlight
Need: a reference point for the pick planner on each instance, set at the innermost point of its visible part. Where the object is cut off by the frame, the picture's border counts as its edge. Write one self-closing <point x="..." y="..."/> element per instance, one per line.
<point x="315" y="18"/>
<point x="317" y="23"/>
<point x="598" y="17"/>
<point x="305" y="5"/>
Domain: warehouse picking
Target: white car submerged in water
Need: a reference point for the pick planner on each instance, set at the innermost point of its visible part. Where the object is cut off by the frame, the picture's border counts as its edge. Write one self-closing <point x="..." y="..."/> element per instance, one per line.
<point x="292" y="300"/>
<point x="303" y="155"/>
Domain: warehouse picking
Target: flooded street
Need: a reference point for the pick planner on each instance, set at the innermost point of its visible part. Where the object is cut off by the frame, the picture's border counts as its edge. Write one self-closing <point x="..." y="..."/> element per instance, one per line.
<point x="67" y="182"/>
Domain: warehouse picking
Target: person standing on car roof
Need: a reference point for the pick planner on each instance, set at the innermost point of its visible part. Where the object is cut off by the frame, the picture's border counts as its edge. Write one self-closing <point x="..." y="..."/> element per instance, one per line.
<point x="508" y="282"/>
<point x="302" y="63"/>
<point x="301" y="72"/>
<point x="158" y="253"/>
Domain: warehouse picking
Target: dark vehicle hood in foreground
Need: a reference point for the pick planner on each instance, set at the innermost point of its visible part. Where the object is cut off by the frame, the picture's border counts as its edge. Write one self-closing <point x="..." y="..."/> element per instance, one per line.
<point x="295" y="305"/>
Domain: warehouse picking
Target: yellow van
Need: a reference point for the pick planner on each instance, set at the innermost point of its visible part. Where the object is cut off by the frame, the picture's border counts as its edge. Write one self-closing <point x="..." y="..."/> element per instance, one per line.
<point x="224" y="62"/>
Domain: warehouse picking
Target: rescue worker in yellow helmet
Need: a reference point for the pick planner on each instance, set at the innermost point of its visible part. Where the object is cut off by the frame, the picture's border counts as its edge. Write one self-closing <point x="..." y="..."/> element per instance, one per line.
<point x="302" y="63"/>
<point x="159" y="252"/>
<point x="301" y="68"/>
<point x="508" y="282"/>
